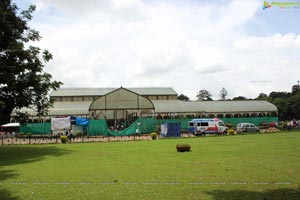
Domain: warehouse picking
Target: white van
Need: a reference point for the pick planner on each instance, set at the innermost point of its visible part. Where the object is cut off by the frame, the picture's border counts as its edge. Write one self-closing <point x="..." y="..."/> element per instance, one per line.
<point x="207" y="126"/>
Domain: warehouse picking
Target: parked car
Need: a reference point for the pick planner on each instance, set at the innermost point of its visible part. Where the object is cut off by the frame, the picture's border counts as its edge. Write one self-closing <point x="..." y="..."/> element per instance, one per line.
<point x="246" y="128"/>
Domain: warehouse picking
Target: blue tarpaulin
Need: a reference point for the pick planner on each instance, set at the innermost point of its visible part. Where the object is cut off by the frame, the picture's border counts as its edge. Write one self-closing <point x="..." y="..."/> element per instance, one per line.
<point x="171" y="129"/>
<point x="82" y="121"/>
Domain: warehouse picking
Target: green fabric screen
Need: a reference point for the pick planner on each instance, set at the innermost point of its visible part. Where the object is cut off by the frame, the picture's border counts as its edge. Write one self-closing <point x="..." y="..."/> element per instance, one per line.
<point x="144" y="125"/>
<point x="97" y="127"/>
<point x="255" y="120"/>
<point x="36" y="128"/>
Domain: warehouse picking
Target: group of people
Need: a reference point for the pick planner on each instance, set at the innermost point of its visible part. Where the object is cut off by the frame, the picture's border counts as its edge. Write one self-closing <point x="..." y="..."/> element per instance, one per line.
<point x="69" y="134"/>
<point x="291" y="124"/>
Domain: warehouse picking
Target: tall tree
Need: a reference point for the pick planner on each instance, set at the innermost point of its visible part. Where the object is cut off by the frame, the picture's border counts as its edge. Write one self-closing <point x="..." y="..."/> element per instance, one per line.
<point x="296" y="88"/>
<point x="223" y="94"/>
<point x="182" y="97"/>
<point x="22" y="79"/>
<point x="262" y="96"/>
<point x="204" y="95"/>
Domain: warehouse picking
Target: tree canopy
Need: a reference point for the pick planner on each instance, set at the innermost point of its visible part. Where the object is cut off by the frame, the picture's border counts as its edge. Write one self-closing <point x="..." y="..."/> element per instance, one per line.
<point x="22" y="79"/>
<point x="223" y="94"/>
<point x="182" y="97"/>
<point x="239" y="98"/>
<point x="296" y="89"/>
<point x="288" y="103"/>
<point x="204" y="95"/>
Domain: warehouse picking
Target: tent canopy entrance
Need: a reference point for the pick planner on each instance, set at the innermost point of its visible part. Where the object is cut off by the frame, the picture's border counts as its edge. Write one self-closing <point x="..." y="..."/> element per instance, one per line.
<point x="10" y="125"/>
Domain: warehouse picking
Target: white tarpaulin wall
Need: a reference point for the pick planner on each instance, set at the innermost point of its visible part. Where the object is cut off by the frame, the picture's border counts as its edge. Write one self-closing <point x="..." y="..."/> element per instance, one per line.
<point x="60" y="123"/>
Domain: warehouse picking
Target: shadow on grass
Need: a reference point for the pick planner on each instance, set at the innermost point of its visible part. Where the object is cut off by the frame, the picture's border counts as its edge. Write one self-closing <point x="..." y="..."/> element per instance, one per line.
<point x="5" y="194"/>
<point x="276" y="194"/>
<point x="6" y="174"/>
<point x="13" y="155"/>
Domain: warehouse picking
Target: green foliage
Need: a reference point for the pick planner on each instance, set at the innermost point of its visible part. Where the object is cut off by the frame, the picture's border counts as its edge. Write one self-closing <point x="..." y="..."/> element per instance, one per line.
<point x="183" y="147"/>
<point x="223" y="94"/>
<point x="158" y="129"/>
<point x="78" y="134"/>
<point x="231" y="131"/>
<point x="288" y="104"/>
<point x="204" y="95"/>
<point x="182" y="97"/>
<point x="22" y="79"/>
<point x="63" y="139"/>
<point x="153" y="135"/>
<point x="296" y="88"/>
<point x="239" y="98"/>
<point x="262" y="96"/>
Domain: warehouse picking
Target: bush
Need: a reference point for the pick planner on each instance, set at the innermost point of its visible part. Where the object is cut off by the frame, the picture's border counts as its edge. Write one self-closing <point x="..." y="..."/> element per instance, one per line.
<point x="158" y="129"/>
<point x="183" y="147"/>
<point x="231" y="131"/>
<point x="63" y="139"/>
<point x="78" y="134"/>
<point x="153" y="135"/>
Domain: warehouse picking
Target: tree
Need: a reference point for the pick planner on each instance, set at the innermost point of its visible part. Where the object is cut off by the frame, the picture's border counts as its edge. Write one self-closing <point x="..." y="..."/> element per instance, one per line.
<point x="239" y="98"/>
<point x="262" y="96"/>
<point x="275" y="95"/>
<point x="182" y="97"/>
<point x="22" y="79"/>
<point x="296" y="89"/>
<point x="223" y="94"/>
<point x="204" y="95"/>
<point x="294" y="103"/>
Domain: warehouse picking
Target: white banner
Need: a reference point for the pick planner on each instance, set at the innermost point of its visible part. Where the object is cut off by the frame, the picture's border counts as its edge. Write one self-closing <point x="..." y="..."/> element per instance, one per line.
<point x="60" y="123"/>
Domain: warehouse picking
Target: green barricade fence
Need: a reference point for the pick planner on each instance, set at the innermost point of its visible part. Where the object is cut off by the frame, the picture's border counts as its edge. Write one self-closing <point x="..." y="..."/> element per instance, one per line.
<point x="97" y="127"/>
<point x="36" y="128"/>
<point x="141" y="125"/>
<point x="148" y="125"/>
<point x="255" y="120"/>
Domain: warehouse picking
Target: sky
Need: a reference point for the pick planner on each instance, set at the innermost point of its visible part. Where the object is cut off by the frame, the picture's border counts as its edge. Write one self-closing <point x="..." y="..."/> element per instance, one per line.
<point x="188" y="45"/>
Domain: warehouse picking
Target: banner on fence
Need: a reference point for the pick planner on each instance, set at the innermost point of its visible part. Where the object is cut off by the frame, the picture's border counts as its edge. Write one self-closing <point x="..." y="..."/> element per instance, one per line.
<point x="60" y="123"/>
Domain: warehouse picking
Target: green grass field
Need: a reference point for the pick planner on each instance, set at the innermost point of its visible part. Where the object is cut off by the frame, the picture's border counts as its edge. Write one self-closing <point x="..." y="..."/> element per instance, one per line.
<point x="258" y="166"/>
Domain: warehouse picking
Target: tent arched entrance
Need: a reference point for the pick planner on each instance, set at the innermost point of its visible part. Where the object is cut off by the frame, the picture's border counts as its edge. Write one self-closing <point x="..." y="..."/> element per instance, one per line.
<point x="120" y="104"/>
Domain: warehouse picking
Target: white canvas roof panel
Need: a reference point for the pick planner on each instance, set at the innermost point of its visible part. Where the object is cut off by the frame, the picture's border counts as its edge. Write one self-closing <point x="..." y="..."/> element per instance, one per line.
<point x="62" y="92"/>
<point x="163" y="106"/>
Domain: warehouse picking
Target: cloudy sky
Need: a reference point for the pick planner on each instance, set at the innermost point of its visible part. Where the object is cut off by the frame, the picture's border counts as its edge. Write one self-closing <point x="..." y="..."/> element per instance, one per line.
<point x="185" y="44"/>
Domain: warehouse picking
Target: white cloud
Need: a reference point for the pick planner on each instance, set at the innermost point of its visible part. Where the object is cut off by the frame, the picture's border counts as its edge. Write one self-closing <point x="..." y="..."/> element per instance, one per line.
<point x="209" y="59"/>
<point x="186" y="44"/>
<point x="276" y="41"/>
<point x="237" y="12"/>
<point x="73" y="6"/>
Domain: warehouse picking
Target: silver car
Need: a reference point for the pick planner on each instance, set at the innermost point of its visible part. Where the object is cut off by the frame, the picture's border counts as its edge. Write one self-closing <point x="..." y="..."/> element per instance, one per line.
<point x="246" y="128"/>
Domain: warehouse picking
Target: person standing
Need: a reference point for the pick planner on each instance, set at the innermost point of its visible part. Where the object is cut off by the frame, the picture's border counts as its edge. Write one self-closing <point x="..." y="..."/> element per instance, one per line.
<point x="65" y="132"/>
<point x="70" y="135"/>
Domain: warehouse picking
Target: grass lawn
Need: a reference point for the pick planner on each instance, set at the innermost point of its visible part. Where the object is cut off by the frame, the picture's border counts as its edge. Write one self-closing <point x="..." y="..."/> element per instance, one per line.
<point x="258" y="166"/>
